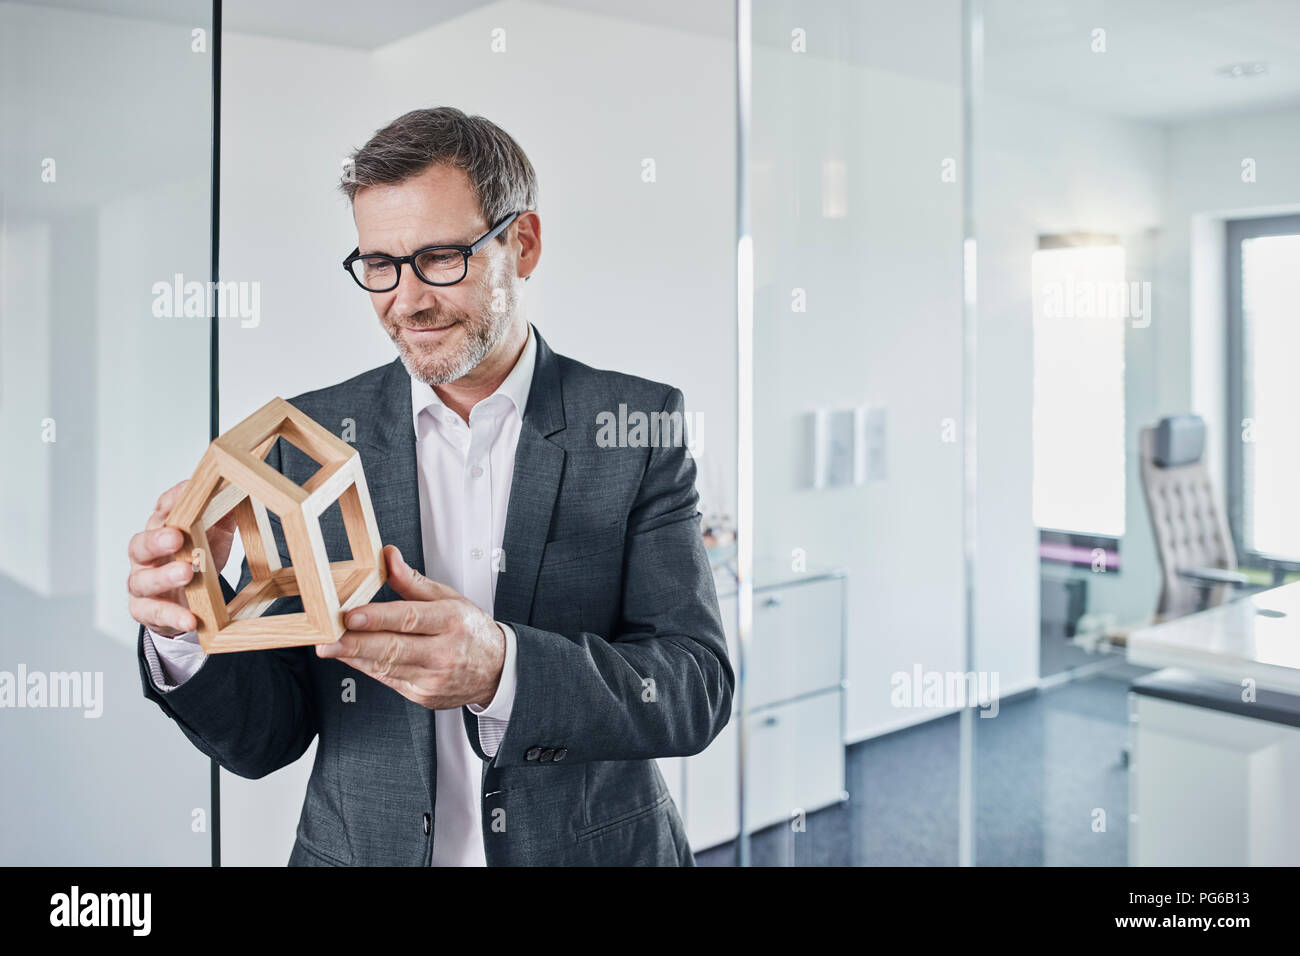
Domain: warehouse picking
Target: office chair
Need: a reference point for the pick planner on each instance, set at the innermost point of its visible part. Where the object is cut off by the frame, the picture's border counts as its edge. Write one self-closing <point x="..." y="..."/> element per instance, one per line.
<point x="1198" y="560"/>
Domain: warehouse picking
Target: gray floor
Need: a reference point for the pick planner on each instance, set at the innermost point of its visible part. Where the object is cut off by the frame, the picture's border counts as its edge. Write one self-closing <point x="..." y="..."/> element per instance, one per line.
<point x="1051" y="789"/>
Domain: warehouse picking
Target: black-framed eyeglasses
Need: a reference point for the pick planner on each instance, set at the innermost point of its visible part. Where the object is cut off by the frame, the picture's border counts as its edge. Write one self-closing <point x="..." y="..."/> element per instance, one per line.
<point x="436" y="265"/>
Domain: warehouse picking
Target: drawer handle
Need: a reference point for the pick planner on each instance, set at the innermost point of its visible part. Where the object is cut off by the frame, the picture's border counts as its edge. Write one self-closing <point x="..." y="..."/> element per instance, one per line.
<point x="773" y="602"/>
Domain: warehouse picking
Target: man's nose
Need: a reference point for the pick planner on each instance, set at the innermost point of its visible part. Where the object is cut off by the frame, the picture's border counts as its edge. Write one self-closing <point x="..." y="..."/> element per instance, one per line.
<point x="412" y="295"/>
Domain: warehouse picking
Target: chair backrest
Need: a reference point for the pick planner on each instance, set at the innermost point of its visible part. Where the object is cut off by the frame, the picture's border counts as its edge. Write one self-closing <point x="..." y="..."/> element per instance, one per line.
<point x="1187" y="518"/>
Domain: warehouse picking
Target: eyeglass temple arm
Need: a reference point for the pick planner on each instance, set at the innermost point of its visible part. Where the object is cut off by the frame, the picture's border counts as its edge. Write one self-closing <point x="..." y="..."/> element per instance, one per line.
<point x="471" y="249"/>
<point x="499" y="226"/>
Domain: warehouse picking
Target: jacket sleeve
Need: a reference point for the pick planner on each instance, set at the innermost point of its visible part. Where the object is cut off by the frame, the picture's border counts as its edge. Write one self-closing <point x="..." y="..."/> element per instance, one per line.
<point x="252" y="712"/>
<point x="662" y="686"/>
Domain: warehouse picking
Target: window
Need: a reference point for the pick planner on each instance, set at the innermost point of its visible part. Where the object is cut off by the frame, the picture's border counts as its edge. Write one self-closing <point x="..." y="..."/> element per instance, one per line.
<point x="1264" y="386"/>
<point x="1081" y="302"/>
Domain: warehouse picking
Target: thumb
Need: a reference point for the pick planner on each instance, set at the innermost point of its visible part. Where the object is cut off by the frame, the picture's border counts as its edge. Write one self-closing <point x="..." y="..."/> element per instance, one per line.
<point x="410" y="583"/>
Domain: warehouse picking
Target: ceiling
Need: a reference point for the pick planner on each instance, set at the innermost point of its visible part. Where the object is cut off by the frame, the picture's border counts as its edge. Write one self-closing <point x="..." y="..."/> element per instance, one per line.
<point x="1160" y="59"/>
<point x="368" y="24"/>
<point x="1159" y="64"/>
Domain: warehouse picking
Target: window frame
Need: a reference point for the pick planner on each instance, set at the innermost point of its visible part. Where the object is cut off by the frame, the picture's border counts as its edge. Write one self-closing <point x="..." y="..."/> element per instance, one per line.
<point x="1237" y="231"/>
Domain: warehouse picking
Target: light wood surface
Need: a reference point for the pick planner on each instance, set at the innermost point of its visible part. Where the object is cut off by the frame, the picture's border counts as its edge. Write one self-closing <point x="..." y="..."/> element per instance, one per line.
<point x="233" y="476"/>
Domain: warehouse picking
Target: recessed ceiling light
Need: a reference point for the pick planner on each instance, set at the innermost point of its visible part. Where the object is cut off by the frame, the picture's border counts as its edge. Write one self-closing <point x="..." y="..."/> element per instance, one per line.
<point x="1242" y="69"/>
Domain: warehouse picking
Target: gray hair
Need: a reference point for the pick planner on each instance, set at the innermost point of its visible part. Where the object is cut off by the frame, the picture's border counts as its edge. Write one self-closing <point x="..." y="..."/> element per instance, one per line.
<point x="499" y="171"/>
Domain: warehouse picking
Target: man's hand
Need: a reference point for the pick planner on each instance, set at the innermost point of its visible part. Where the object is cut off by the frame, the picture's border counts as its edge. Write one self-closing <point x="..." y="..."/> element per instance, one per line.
<point x="435" y="648"/>
<point x="157" y="583"/>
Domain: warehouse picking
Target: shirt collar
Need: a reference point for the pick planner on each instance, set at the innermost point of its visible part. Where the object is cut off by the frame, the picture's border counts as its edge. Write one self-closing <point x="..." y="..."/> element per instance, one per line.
<point x="514" y="387"/>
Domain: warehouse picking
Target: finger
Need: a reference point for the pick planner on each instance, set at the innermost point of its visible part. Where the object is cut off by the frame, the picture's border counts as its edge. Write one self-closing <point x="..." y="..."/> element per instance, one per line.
<point x="162" y="508"/>
<point x="149" y="582"/>
<point x="400" y="677"/>
<point x="386" y="647"/>
<point x="162" y="616"/>
<point x="154" y="545"/>
<point x="410" y="583"/>
<point x="167" y="500"/>
<point x="402" y="617"/>
<point x="375" y="647"/>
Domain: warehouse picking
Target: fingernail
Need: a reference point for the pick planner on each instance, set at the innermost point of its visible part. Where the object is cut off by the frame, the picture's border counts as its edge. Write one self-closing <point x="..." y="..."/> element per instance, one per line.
<point x="357" y="620"/>
<point x="176" y="575"/>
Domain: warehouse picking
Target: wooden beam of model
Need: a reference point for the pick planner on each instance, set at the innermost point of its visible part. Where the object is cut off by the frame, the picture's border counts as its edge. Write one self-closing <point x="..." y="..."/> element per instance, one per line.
<point x="234" y="477"/>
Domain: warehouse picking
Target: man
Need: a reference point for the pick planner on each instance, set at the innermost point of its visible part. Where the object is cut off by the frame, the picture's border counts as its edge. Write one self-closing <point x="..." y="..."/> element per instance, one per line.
<point x="550" y="623"/>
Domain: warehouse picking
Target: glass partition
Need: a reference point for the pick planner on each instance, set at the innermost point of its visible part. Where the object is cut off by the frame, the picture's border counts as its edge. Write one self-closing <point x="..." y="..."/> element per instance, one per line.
<point x="105" y="197"/>
<point x="851" y="754"/>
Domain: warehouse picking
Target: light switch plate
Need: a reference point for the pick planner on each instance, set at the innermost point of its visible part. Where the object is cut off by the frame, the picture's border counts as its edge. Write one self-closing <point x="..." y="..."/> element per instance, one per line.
<point x="833" y="437"/>
<point x="870" y="463"/>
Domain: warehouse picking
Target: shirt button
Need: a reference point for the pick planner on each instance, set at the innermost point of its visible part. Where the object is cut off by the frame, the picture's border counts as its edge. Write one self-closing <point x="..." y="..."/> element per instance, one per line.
<point x="546" y="755"/>
<point x="476" y="553"/>
<point x="476" y="471"/>
<point x="427" y="822"/>
<point x="560" y="754"/>
<point x="533" y="753"/>
<point x="448" y="417"/>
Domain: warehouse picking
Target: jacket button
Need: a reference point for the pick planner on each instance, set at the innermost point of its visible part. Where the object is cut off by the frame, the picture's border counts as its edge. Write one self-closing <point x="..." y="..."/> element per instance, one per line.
<point x="428" y="821"/>
<point x="533" y="753"/>
<point x="546" y="755"/>
<point x="560" y="754"/>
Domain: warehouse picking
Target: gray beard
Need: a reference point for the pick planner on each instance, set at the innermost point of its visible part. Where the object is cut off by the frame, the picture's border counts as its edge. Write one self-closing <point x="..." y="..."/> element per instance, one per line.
<point x="482" y="337"/>
<point x="479" y="342"/>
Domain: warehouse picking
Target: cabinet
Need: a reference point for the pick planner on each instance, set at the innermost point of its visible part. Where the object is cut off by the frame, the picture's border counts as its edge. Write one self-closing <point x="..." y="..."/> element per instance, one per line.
<point x="794" y="714"/>
<point x="1212" y="778"/>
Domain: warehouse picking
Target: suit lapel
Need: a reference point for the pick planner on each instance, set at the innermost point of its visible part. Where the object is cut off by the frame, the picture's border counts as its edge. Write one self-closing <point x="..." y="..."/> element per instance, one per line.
<point x="539" y="463"/>
<point x="392" y="475"/>
<point x="393" y="478"/>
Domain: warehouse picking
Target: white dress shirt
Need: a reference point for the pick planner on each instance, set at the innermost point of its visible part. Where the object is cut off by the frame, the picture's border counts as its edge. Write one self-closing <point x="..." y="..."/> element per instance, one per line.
<point x="465" y="476"/>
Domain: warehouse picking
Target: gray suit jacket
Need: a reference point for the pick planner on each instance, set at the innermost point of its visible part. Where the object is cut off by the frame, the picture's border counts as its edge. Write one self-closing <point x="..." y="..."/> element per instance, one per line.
<point x="621" y="653"/>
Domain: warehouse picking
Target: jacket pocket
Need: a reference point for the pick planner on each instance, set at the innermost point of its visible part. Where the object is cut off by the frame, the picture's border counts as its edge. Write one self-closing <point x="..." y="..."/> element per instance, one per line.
<point x="305" y="854"/>
<point x="565" y="551"/>
<point x="625" y="819"/>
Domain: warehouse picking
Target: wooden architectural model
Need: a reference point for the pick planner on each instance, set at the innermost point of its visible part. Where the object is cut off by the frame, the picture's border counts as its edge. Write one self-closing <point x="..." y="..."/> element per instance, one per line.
<point x="233" y="476"/>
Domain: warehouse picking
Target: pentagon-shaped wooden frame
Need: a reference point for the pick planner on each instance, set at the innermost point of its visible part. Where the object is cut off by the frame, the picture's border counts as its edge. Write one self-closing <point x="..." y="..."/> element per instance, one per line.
<point x="234" y="476"/>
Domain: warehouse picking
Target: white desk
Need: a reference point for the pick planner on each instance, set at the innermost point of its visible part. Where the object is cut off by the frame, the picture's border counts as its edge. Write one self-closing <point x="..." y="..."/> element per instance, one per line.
<point x="1215" y="763"/>
<point x="1253" y="637"/>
